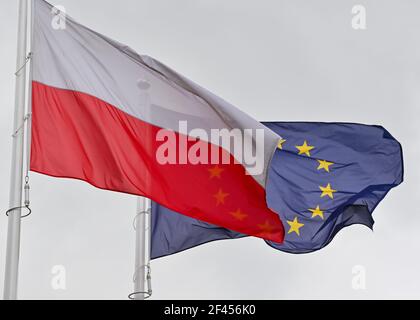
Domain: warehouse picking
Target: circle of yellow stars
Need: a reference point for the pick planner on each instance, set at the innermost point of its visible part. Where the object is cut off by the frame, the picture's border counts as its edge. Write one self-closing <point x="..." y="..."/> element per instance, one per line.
<point x="326" y="191"/>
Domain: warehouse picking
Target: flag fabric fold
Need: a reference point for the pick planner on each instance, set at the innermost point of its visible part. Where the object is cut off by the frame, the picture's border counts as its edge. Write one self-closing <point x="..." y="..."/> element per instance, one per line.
<point x="98" y="109"/>
<point x="322" y="178"/>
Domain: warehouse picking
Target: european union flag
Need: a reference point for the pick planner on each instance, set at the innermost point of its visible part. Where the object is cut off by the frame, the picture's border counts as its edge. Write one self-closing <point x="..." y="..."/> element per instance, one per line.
<point x="322" y="178"/>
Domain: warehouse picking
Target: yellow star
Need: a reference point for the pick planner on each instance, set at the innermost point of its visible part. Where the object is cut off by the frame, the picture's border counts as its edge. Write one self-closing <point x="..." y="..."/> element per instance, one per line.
<point x="238" y="214"/>
<point x="280" y="144"/>
<point x="295" y="225"/>
<point x="220" y="197"/>
<point x="215" y="172"/>
<point x="305" y="148"/>
<point x="327" y="191"/>
<point x="323" y="164"/>
<point x="317" y="212"/>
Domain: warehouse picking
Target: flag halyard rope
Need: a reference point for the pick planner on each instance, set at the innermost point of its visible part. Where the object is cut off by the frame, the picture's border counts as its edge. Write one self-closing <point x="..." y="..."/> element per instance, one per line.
<point x="28" y="57"/>
<point x="26" y="118"/>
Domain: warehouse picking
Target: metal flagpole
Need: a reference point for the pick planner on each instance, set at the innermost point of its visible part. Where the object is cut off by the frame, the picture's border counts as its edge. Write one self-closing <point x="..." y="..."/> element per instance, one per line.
<point x="142" y="255"/>
<point x="142" y="222"/>
<point x="16" y="180"/>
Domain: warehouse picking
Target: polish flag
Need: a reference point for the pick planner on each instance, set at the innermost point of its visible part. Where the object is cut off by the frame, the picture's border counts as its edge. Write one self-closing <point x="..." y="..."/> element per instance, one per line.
<point x="103" y="114"/>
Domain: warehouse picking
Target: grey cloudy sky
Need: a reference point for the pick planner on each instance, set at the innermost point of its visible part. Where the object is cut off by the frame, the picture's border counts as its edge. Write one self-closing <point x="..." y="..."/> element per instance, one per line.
<point x="276" y="60"/>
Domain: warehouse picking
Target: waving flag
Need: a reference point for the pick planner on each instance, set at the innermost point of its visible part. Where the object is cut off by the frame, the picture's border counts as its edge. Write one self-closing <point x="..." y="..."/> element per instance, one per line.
<point x="322" y="178"/>
<point x="98" y="110"/>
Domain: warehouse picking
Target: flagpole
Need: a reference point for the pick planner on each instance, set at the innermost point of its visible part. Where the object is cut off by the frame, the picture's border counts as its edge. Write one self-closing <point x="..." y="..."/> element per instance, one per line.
<point x="143" y="215"/>
<point x="142" y="254"/>
<point x="16" y="179"/>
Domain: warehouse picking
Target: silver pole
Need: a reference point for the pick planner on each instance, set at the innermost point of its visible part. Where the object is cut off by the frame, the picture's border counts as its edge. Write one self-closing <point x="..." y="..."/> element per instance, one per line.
<point x="142" y="245"/>
<point x="143" y="217"/>
<point x="16" y="179"/>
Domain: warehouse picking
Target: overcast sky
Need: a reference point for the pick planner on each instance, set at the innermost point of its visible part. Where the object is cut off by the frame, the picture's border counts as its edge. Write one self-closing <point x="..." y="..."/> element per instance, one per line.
<point x="303" y="61"/>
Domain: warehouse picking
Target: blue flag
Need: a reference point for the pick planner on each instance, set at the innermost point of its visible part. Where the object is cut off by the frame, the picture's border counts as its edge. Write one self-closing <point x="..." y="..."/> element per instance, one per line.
<point x="322" y="178"/>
